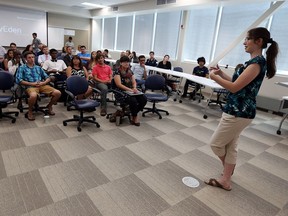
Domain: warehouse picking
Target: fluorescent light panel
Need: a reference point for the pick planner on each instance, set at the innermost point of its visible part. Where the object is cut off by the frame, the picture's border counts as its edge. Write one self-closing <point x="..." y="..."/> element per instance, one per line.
<point x="93" y="5"/>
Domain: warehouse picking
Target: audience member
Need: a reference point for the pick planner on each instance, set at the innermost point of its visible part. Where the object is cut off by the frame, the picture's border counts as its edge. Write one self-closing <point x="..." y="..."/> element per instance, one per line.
<point x="135" y="58"/>
<point x="102" y="76"/>
<point x="78" y="50"/>
<point x="76" y="68"/>
<point x="28" y="48"/>
<point x="15" y="62"/>
<point x="2" y="55"/>
<point x="165" y="64"/>
<point x="151" y="61"/>
<point x="125" y="81"/>
<point x="84" y="56"/>
<point x="35" y="43"/>
<point x="67" y="58"/>
<point x="44" y="57"/>
<point x="55" y="68"/>
<point x="117" y="63"/>
<point x="9" y="56"/>
<point x="140" y="72"/>
<point x="199" y="70"/>
<point x="92" y="62"/>
<point x="13" y="46"/>
<point x="106" y="54"/>
<point x="35" y="80"/>
<point x="40" y="52"/>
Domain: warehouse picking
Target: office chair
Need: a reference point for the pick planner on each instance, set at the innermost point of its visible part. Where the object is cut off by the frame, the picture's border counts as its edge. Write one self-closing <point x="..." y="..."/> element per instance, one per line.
<point x="6" y="83"/>
<point x="221" y="95"/>
<point x="154" y="83"/>
<point x="122" y="109"/>
<point x="176" y="81"/>
<point x="76" y="85"/>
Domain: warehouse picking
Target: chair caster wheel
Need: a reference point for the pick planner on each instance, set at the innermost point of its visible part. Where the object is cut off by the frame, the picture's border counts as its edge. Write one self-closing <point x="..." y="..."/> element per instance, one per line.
<point x="97" y="125"/>
<point x="278" y="132"/>
<point x="160" y="117"/>
<point x="79" y="129"/>
<point x="205" y="116"/>
<point x="167" y="113"/>
<point x="16" y="114"/>
<point x="180" y="101"/>
<point x="64" y="124"/>
<point x="143" y="115"/>
<point x="93" y="118"/>
<point x="68" y="108"/>
<point x="174" y="100"/>
<point x="13" y="121"/>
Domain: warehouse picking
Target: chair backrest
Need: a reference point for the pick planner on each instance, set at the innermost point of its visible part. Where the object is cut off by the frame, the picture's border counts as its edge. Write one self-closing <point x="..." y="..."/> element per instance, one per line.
<point x="6" y="80"/>
<point x="77" y="85"/>
<point x="178" y="69"/>
<point x="155" y="82"/>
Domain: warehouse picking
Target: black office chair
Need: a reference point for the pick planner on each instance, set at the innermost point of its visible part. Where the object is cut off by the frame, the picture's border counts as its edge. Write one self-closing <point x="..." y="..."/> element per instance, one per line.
<point x="154" y="83"/>
<point x="6" y="83"/>
<point x="76" y="85"/>
<point x="176" y="82"/>
<point x="122" y="109"/>
<point x="221" y="95"/>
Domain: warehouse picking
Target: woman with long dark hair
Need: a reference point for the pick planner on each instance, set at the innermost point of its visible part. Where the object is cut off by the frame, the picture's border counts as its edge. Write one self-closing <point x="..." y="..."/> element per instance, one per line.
<point x="240" y="108"/>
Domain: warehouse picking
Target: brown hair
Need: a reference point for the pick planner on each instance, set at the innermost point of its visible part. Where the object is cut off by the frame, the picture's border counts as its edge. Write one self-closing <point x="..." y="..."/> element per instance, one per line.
<point x="272" y="51"/>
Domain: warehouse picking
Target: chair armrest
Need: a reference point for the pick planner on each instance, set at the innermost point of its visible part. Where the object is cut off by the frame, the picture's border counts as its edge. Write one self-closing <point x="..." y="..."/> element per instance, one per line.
<point x="70" y="94"/>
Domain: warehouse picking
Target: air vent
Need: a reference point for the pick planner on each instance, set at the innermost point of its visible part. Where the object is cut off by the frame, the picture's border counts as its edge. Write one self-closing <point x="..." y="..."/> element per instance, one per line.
<point x="162" y="2"/>
<point x="171" y="1"/>
<point x="115" y="8"/>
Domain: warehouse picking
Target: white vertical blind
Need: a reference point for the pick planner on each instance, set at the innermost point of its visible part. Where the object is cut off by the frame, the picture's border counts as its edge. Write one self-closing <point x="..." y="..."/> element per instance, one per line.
<point x="235" y="19"/>
<point x="124" y="35"/>
<point x="143" y="33"/>
<point x="167" y="33"/>
<point x="200" y="33"/>
<point x="279" y="33"/>
<point x="109" y="33"/>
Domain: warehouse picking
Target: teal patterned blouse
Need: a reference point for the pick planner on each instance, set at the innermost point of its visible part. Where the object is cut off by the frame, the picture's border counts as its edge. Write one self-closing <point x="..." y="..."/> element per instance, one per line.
<point x="243" y="103"/>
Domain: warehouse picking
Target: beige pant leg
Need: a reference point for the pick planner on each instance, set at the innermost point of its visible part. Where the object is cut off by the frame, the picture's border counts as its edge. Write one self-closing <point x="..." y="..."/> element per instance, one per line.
<point x="224" y="140"/>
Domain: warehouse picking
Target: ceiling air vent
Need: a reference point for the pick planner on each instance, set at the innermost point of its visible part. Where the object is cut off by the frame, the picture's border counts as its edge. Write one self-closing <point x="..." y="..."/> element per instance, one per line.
<point x="115" y="8"/>
<point x="162" y="2"/>
<point x="171" y="1"/>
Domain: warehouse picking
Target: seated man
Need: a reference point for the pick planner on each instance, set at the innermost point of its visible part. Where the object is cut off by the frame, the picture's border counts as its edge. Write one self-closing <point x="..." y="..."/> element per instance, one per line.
<point x="102" y="76"/>
<point x="36" y="81"/>
<point x="44" y="57"/>
<point x="55" y="68"/>
<point x="199" y="70"/>
<point x="140" y="72"/>
<point x="84" y="56"/>
<point x="67" y="58"/>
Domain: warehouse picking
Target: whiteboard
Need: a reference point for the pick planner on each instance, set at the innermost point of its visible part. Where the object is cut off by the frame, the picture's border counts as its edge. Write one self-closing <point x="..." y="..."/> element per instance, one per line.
<point x="55" y="38"/>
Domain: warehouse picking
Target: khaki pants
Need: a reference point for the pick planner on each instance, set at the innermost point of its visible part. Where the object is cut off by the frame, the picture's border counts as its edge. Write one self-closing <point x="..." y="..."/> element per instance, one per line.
<point x="224" y="140"/>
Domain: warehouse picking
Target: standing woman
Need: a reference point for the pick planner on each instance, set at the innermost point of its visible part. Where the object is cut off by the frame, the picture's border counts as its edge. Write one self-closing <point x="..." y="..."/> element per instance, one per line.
<point x="125" y="81"/>
<point x="76" y="68"/>
<point x="240" y="109"/>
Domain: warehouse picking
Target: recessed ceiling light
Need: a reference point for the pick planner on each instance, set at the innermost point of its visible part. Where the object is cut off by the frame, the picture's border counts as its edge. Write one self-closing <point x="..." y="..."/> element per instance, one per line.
<point x="93" y="5"/>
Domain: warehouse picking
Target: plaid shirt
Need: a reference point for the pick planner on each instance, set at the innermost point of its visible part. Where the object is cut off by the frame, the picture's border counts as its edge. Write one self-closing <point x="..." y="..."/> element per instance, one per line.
<point x="28" y="74"/>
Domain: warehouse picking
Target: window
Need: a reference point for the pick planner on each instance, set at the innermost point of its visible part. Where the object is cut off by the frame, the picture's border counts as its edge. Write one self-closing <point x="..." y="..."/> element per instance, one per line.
<point x="279" y="33"/>
<point x="109" y="33"/>
<point x="200" y="32"/>
<point x="124" y="35"/>
<point x="143" y="33"/>
<point x="167" y="32"/>
<point x="236" y="19"/>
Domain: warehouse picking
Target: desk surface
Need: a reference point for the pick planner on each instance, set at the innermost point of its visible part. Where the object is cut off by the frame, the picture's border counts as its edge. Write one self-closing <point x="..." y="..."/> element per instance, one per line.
<point x="285" y="84"/>
<point x="201" y="80"/>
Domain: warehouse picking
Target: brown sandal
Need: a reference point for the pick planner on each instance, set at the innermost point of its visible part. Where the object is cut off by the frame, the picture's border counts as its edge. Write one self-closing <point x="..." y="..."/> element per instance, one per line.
<point x="30" y="117"/>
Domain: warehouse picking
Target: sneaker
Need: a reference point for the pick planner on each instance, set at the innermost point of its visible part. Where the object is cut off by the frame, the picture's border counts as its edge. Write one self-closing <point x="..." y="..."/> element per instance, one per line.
<point x="103" y="112"/>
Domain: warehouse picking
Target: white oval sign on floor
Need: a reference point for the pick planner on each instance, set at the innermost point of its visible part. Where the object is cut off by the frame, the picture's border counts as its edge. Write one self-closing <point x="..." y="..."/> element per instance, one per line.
<point x="190" y="182"/>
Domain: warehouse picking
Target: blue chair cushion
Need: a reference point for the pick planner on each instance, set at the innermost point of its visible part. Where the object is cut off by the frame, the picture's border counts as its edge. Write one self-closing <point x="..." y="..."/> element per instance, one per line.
<point x="5" y="99"/>
<point x="156" y="97"/>
<point x="85" y="104"/>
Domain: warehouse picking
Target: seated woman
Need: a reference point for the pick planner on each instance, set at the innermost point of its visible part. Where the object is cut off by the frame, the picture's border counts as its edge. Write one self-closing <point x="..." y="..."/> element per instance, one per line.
<point x="91" y="63"/>
<point x="77" y="69"/>
<point x="125" y="81"/>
